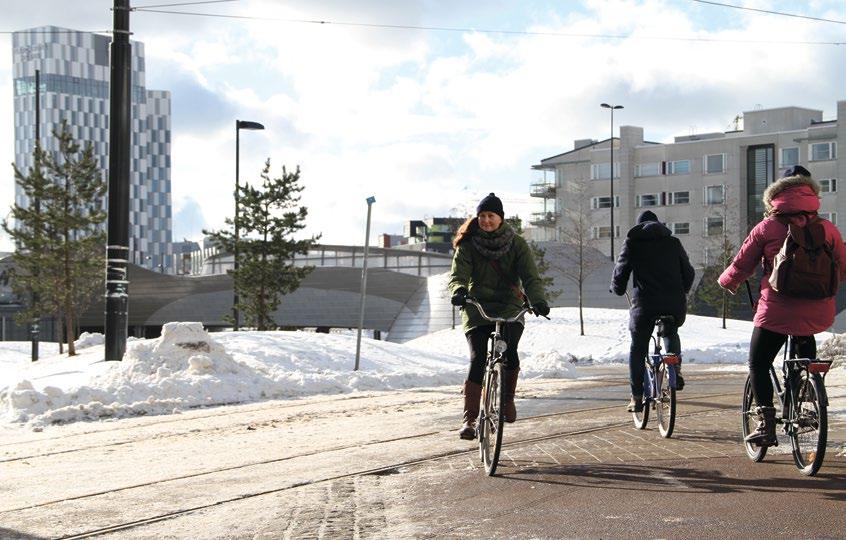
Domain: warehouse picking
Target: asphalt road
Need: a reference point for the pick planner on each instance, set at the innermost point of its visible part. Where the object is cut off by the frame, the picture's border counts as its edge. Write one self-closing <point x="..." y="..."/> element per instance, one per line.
<point x="389" y="465"/>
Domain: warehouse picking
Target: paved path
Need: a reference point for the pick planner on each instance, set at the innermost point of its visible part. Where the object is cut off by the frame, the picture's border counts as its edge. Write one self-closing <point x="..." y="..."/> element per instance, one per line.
<point x="389" y="465"/>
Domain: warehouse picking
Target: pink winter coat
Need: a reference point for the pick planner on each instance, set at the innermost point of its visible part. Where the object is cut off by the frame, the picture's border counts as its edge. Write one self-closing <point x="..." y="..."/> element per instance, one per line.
<point x="776" y="312"/>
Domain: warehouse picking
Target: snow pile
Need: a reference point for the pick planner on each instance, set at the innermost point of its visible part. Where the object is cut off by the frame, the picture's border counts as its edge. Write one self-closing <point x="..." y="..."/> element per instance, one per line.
<point x="89" y="339"/>
<point x="607" y="338"/>
<point x="186" y="367"/>
<point x="834" y="349"/>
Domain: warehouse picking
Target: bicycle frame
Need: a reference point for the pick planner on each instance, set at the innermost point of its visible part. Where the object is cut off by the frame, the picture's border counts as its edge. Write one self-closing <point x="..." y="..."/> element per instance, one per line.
<point x="791" y="370"/>
<point x="652" y="388"/>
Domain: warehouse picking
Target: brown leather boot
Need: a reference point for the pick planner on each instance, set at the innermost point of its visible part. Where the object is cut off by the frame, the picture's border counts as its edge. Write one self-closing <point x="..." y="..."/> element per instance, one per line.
<point x="765" y="434"/>
<point x="472" y="394"/>
<point x="509" y="387"/>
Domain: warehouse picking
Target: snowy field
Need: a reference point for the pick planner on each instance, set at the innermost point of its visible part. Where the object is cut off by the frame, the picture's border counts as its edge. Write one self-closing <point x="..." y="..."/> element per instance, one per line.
<point x="188" y="368"/>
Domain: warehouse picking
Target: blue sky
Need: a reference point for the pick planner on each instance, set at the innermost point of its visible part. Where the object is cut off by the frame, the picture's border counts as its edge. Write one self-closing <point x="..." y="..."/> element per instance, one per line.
<point x="429" y="121"/>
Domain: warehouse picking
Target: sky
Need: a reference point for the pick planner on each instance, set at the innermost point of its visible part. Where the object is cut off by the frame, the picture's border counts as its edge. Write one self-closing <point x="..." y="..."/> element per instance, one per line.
<point x="430" y="119"/>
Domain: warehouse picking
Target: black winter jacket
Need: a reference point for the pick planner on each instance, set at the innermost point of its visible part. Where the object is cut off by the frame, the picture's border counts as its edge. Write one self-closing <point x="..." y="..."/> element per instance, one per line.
<point x="662" y="274"/>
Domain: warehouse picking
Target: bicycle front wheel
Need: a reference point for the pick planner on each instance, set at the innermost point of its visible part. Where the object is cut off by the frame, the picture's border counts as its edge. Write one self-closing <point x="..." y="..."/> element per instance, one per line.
<point x="492" y="421"/>
<point x="666" y="403"/>
<point x="808" y="417"/>
<point x="641" y="418"/>
<point x="749" y="422"/>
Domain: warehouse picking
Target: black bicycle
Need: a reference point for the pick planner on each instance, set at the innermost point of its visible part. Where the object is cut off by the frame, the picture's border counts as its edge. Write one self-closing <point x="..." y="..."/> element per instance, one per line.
<point x="660" y="374"/>
<point x="802" y="410"/>
<point x="491" y="418"/>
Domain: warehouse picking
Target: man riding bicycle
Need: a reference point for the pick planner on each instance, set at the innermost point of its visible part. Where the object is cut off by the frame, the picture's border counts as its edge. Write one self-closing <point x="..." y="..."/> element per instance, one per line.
<point x="793" y="200"/>
<point x="661" y="278"/>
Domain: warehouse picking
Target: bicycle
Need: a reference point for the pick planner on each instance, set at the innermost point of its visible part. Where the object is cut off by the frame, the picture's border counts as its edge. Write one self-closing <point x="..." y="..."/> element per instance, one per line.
<point x="659" y="383"/>
<point x="491" y="418"/>
<point x="802" y="410"/>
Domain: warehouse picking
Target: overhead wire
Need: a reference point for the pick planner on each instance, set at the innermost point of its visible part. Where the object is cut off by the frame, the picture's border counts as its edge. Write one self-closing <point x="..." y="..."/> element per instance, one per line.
<point x="487" y="30"/>
<point x="183" y="4"/>
<point x="769" y="12"/>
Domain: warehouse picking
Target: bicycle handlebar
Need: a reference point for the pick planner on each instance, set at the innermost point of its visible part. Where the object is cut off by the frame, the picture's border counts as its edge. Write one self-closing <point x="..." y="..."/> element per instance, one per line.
<point x="526" y="309"/>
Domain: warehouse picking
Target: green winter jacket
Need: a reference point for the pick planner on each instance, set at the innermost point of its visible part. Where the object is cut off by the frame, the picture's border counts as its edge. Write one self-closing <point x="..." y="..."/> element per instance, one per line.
<point x="473" y="271"/>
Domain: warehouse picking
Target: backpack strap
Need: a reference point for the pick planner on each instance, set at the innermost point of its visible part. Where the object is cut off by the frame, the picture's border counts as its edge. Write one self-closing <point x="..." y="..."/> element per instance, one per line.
<point x="518" y="292"/>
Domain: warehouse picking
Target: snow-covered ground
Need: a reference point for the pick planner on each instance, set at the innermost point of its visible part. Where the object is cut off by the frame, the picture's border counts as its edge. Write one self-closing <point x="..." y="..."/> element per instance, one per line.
<point x="188" y="367"/>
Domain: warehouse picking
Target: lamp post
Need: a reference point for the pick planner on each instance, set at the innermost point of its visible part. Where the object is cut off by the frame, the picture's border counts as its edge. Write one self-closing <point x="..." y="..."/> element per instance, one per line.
<point x="239" y="125"/>
<point x="370" y="201"/>
<point x="611" y="175"/>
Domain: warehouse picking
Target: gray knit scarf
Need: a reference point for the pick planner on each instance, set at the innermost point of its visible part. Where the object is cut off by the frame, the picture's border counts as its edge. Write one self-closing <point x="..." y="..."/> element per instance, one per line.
<point x="493" y="245"/>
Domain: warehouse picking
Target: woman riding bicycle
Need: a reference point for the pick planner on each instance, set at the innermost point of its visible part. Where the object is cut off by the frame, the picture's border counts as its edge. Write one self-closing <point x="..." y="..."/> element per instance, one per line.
<point x="490" y="264"/>
<point x="793" y="199"/>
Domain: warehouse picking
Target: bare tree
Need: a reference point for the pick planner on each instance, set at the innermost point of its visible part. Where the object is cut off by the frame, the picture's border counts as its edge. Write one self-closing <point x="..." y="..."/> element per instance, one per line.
<point x="576" y="257"/>
<point x="719" y="252"/>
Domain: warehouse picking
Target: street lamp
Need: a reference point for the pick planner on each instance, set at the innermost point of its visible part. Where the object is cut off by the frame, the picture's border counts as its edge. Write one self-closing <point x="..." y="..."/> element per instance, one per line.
<point x="612" y="107"/>
<point x="239" y="125"/>
<point x="370" y="201"/>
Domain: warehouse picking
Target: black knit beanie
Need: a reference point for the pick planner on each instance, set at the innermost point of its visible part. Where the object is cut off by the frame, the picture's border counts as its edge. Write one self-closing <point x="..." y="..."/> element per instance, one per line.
<point x="647" y="215"/>
<point x="491" y="203"/>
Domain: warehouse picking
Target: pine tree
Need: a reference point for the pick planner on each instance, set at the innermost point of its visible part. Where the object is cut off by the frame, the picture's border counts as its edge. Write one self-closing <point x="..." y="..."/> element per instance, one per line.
<point x="269" y="218"/>
<point x="540" y="260"/>
<point x="60" y="243"/>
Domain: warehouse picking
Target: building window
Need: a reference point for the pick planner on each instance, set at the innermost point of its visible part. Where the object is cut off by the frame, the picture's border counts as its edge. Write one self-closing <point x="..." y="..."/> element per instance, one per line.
<point x="828" y="185"/>
<point x="822" y="151"/>
<point x="681" y="228"/>
<point x="714" y="163"/>
<point x="648" y="169"/>
<point x="831" y="216"/>
<point x="788" y="157"/>
<point x="604" y="202"/>
<point x="601" y="171"/>
<point x="648" y="199"/>
<point x="678" y="167"/>
<point x="605" y="231"/>
<point x="714" y="194"/>
<point x="680" y="197"/>
<point x="713" y="226"/>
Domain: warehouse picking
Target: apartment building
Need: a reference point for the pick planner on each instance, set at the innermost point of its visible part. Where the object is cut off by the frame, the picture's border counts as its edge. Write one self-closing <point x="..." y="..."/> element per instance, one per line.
<point x="703" y="186"/>
<point x="74" y="80"/>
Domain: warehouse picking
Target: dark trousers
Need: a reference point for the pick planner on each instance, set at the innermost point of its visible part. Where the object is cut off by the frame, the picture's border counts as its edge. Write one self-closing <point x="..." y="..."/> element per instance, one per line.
<point x="641" y="328"/>
<point x="763" y="348"/>
<point x="478" y="338"/>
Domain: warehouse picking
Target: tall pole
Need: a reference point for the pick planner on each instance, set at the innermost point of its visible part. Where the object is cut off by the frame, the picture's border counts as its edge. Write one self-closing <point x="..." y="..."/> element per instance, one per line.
<point x="370" y="201"/>
<point x="117" y="248"/>
<point x="612" y="184"/>
<point x="611" y="175"/>
<point x="239" y="125"/>
<point x="235" y="314"/>
<point x="33" y="328"/>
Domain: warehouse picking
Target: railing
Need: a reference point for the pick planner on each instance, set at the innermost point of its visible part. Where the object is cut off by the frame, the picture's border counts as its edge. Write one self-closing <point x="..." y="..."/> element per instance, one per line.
<point x="544" y="190"/>
<point x="544" y="219"/>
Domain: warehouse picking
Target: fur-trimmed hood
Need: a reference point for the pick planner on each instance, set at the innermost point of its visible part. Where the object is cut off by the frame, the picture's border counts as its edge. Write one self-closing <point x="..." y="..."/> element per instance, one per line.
<point x="783" y="184"/>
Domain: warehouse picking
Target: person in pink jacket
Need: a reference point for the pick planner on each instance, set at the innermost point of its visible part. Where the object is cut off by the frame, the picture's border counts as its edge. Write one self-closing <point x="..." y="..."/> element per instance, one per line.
<point x="796" y="197"/>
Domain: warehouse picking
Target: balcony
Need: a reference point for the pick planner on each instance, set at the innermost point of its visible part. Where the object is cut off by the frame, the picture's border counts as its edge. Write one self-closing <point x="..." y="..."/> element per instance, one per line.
<point x="544" y="219"/>
<point x="544" y="190"/>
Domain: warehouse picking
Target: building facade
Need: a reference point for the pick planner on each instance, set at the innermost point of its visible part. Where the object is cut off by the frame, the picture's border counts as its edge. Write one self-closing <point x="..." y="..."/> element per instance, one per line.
<point x="74" y="80"/>
<point x="703" y="186"/>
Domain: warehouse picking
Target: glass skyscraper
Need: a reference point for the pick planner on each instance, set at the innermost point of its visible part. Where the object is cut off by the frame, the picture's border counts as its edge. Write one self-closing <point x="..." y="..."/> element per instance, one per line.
<point x="74" y="80"/>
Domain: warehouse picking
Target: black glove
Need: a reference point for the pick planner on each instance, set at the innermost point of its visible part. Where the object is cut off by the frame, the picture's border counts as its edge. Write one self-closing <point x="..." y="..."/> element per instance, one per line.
<point x="459" y="296"/>
<point x="541" y="308"/>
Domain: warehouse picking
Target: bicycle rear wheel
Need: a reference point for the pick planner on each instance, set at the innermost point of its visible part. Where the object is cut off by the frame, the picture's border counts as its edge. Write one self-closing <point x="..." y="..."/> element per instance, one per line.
<point x="749" y="422"/>
<point x="808" y="417"/>
<point x="666" y="403"/>
<point x="641" y="418"/>
<point x="492" y="422"/>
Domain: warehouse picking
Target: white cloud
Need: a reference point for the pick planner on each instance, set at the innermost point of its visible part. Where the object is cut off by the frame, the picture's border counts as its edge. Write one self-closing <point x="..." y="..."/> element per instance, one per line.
<point x="429" y="121"/>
